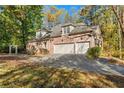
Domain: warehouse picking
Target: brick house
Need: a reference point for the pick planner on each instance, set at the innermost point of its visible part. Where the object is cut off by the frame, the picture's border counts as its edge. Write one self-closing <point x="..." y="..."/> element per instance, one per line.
<point x="67" y="38"/>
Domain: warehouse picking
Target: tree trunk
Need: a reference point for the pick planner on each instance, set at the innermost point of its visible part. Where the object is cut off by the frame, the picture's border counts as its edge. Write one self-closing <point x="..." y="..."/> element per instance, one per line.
<point x="120" y="31"/>
<point x="23" y="35"/>
<point x="119" y="21"/>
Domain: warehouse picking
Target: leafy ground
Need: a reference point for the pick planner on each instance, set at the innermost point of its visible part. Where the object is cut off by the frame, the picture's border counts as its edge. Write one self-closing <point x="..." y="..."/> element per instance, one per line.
<point x="16" y="72"/>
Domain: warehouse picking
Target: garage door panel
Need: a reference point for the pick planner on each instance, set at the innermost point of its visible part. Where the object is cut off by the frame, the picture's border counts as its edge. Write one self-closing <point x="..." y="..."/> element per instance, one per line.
<point x="64" y="49"/>
<point x="81" y="48"/>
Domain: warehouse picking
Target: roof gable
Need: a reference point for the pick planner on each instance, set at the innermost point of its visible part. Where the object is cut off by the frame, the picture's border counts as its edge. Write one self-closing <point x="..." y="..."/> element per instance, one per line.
<point x="78" y="28"/>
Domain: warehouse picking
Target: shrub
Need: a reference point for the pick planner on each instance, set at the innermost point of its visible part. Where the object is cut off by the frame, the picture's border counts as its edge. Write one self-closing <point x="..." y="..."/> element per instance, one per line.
<point x="117" y="53"/>
<point x="93" y="52"/>
<point x="4" y="49"/>
<point x="37" y="51"/>
<point x="21" y="50"/>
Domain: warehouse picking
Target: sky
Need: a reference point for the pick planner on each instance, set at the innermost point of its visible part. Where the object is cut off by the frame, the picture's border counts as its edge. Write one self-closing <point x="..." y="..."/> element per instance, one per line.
<point x="69" y="7"/>
<point x="66" y="7"/>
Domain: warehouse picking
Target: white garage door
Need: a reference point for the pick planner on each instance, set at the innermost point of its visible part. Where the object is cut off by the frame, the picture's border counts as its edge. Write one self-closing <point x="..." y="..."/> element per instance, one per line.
<point x="78" y="48"/>
<point x="81" y="48"/>
<point x="64" y="49"/>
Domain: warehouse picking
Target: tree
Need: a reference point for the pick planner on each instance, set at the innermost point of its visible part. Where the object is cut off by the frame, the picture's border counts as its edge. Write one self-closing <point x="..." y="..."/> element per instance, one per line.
<point x="19" y="23"/>
<point x="108" y="20"/>
<point x="119" y="13"/>
<point x="67" y="18"/>
<point x="52" y="15"/>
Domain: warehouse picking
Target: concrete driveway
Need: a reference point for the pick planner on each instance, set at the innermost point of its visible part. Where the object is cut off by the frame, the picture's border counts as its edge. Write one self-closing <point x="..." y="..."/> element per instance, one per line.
<point x="80" y="62"/>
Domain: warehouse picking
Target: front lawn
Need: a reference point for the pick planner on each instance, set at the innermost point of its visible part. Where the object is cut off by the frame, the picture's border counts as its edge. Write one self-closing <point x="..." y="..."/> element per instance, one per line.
<point x="26" y="74"/>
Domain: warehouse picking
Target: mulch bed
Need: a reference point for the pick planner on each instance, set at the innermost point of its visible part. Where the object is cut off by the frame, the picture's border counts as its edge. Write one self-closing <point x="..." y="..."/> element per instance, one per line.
<point x="12" y="57"/>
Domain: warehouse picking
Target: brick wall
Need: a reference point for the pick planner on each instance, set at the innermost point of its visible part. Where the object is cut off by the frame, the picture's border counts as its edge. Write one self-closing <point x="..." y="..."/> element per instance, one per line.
<point x="86" y="37"/>
<point x="70" y="39"/>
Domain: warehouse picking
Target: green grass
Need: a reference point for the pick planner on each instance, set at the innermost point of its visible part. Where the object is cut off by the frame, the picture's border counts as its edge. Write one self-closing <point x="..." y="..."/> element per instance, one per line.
<point x="35" y="75"/>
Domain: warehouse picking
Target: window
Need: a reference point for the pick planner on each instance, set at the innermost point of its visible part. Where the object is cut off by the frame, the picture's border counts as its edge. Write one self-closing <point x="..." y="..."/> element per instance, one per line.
<point x="66" y="30"/>
<point x="45" y="43"/>
<point x="38" y="34"/>
<point x="81" y="38"/>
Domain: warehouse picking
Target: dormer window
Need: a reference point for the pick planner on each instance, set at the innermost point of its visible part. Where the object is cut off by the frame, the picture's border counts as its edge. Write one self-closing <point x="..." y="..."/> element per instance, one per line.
<point x="66" y="30"/>
<point x="41" y="33"/>
<point x="38" y="34"/>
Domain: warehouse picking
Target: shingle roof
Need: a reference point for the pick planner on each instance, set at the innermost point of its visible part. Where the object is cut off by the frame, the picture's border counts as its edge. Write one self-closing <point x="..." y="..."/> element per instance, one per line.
<point x="56" y="31"/>
<point x="80" y="24"/>
<point x="67" y="24"/>
<point x="45" y="30"/>
<point x="78" y="28"/>
<point x="45" y="37"/>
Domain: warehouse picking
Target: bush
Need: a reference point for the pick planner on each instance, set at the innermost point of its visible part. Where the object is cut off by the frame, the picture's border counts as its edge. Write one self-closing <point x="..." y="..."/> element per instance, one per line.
<point x="37" y="51"/>
<point x="117" y="53"/>
<point x="21" y="50"/>
<point x="4" y="49"/>
<point x="93" y="52"/>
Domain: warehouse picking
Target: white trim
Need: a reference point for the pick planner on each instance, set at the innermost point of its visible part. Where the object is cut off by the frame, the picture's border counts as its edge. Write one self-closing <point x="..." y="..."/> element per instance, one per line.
<point x="15" y="47"/>
<point x="76" y="48"/>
